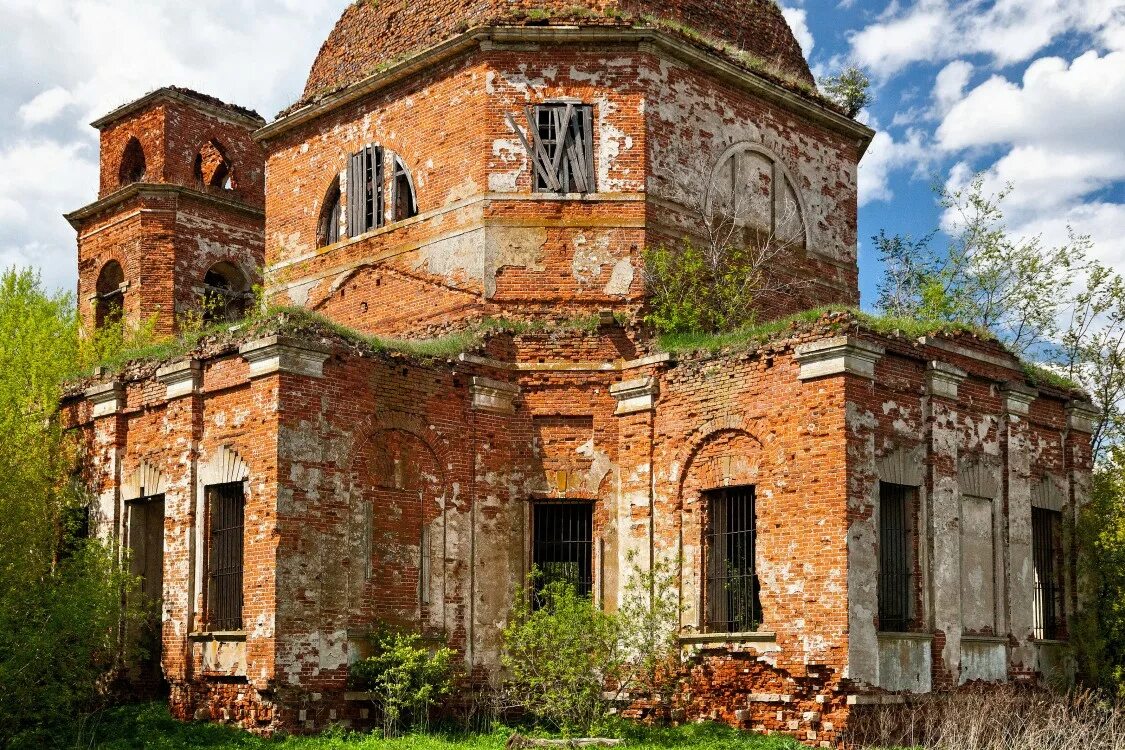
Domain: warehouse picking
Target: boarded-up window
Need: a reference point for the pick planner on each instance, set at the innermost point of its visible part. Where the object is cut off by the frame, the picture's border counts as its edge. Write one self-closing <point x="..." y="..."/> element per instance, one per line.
<point x="1046" y="542"/>
<point x="226" y="504"/>
<point x="560" y="144"/>
<point x="562" y="547"/>
<point x="733" y="594"/>
<point x="896" y="557"/>
<point x="365" y="191"/>
<point x="978" y="565"/>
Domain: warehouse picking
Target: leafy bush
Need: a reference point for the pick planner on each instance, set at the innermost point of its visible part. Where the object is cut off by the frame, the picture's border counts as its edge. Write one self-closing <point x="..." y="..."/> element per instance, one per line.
<point x="406" y="676"/>
<point x="567" y="662"/>
<point x="559" y="651"/>
<point x="691" y="289"/>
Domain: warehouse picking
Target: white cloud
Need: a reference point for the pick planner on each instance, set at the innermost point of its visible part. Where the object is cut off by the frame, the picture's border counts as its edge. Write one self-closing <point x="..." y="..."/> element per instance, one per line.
<point x="949" y="87"/>
<point x="1058" y="130"/>
<point x="1007" y="31"/>
<point x="798" y="19"/>
<point x="884" y="156"/>
<point x="89" y="56"/>
<point x="46" y="106"/>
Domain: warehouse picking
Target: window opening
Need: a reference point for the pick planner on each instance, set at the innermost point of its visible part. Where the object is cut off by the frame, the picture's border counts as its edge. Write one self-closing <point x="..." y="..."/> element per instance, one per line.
<point x="404" y="200"/>
<point x="896" y="569"/>
<point x="563" y="544"/>
<point x="224" y="294"/>
<point x="561" y="147"/>
<point x="733" y="592"/>
<point x="133" y="163"/>
<point x="329" y="233"/>
<point x="1046" y="533"/>
<point x="109" y="304"/>
<point x="212" y="167"/>
<point x="225" y="569"/>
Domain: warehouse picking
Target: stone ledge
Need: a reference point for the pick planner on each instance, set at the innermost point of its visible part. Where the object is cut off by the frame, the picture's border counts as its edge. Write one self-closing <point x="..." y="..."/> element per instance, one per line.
<point x="634" y="396"/>
<point x="838" y="356"/>
<point x="691" y="639"/>
<point x="277" y="354"/>
<point x="181" y="378"/>
<point x="107" y="399"/>
<point x="1018" y="398"/>
<point x="944" y="380"/>
<point x="493" y="395"/>
<point x="1082" y="416"/>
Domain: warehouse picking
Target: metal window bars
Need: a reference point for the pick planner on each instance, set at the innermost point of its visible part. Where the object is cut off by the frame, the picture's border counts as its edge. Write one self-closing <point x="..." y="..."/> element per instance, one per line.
<point x="562" y="546"/>
<point x="1046" y="543"/>
<point x="896" y="570"/>
<point x="733" y="592"/>
<point x="225" y="569"/>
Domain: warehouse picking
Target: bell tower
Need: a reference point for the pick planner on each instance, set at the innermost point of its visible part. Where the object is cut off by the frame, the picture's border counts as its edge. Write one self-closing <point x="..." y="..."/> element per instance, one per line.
<point x="179" y="222"/>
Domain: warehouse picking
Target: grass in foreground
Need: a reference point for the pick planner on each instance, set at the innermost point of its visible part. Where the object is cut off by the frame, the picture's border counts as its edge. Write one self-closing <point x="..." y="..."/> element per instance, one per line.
<point x="150" y="727"/>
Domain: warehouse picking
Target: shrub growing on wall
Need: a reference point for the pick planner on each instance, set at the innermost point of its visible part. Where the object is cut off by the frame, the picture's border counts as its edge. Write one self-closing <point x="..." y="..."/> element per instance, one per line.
<point x="406" y="677"/>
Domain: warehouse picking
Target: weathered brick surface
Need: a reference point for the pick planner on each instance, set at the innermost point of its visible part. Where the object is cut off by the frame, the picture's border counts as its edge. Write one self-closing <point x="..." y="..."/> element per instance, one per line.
<point x="398" y="490"/>
<point x="370" y="35"/>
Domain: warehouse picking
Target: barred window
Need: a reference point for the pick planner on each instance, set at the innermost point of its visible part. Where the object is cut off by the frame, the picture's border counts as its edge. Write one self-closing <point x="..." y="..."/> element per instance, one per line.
<point x="562" y="546"/>
<point x="227" y="505"/>
<point x="896" y="552"/>
<point x="733" y="593"/>
<point x="1046" y="541"/>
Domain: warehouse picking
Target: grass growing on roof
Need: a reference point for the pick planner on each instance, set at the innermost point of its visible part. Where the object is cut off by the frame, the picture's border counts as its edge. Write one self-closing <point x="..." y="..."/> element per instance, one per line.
<point x="757" y="335"/>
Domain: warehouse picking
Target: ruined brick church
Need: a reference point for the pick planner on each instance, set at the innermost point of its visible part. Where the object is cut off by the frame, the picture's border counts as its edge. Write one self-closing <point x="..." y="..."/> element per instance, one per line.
<point x="853" y="517"/>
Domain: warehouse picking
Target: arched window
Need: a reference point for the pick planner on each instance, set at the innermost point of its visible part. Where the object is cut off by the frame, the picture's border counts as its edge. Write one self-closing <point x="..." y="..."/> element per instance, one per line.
<point x="212" y="168"/>
<point x="328" y="233"/>
<point x="751" y="188"/>
<point x="109" y="303"/>
<point x="225" y="294"/>
<point x="133" y="165"/>
<point x="403" y="198"/>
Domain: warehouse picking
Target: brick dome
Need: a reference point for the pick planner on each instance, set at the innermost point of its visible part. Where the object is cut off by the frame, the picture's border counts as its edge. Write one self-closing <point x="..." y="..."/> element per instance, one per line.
<point x="372" y="33"/>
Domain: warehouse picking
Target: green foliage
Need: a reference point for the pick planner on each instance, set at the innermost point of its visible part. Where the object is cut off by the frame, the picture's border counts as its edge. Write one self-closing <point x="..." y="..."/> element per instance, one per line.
<point x="559" y="652"/>
<point x="1052" y="305"/>
<point x="406" y="676"/>
<point x="60" y="595"/>
<point x="149" y="727"/>
<point x="562" y="654"/>
<point x="1098" y="636"/>
<point x="695" y="291"/>
<point x="749" y="337"/>
<point x="850" y="90"/>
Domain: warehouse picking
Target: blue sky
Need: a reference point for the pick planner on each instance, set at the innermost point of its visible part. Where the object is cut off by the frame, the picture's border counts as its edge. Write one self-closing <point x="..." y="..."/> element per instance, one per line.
<point x="1030" y="92"/>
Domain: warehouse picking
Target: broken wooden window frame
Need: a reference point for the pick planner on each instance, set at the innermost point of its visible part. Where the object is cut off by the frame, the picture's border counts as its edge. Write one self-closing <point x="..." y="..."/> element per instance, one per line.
<point x="560" y="165"/>
<point x="404" y="199"/>
<point x="365" y="201"/>
<point x="328" y="232"/>
<point x="732" y="590"/>
<point x="226" y="511"/>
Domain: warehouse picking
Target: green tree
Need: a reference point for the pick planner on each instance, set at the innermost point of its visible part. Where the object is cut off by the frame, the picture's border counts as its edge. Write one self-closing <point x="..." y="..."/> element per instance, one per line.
<point x="1051" y="305"/>
<point x="1098" y="635"/>
<point x="850" y="90"/>
<point x="60" y="594"/>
